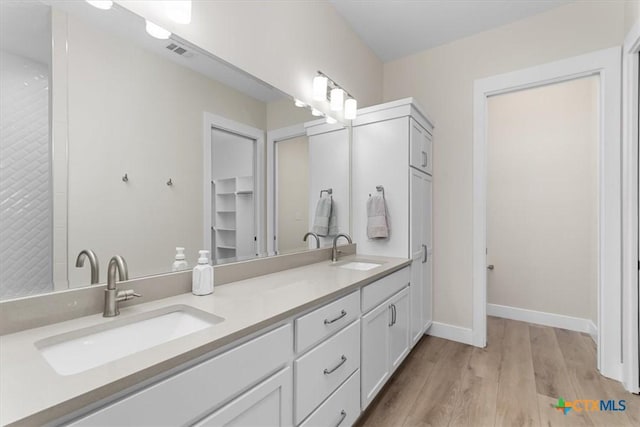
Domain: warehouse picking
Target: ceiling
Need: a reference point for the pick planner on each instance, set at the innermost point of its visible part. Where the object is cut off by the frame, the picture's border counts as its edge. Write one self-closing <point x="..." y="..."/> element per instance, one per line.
<point x="397" y="28"/>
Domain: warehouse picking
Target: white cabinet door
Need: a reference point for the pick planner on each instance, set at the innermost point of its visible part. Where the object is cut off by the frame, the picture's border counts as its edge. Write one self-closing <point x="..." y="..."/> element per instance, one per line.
<point x="267" y="404"/>
<point x="399" y="329"/>
<point x="375" y="366"/>
<point x="418" y="248"/>
<point x="420" y="151"/>
<point x="427" y="266"/>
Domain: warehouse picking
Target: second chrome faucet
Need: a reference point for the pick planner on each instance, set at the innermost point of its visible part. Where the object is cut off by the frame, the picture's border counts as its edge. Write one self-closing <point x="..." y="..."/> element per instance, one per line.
<point x="112" y="296"/>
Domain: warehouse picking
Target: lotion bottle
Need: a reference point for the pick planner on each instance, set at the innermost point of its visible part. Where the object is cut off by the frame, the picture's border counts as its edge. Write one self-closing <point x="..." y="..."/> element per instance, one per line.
<point x="180" y="263"/>
<point x="202" y="279"/>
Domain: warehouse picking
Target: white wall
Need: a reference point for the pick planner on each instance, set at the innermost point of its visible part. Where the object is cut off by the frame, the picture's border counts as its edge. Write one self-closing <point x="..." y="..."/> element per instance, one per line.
<point x="133" y="112"/>
<point x="542" y="198"/>
<point x="292" y="193"/>
<point x="631" y="14"/>
<point x="281" y="42"/>
<point x="442" y="80"/>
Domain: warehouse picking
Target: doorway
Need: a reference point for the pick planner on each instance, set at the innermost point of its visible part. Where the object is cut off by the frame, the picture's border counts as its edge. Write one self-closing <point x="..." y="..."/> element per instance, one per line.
<point x="606" y="65"/>
<point x="542" y="205"/>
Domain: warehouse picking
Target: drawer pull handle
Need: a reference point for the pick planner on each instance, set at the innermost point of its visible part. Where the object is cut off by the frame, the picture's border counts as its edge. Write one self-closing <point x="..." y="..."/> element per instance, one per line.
<point x="343" y="359"/>
<point x="335" y="319"/>
<point x="425" y="256"/>
<point x="424" y="159"/>
<point x="343" y="415"/>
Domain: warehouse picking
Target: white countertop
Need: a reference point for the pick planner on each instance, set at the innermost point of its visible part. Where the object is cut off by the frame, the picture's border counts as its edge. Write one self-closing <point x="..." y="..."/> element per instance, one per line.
<point x="32" y="393"/>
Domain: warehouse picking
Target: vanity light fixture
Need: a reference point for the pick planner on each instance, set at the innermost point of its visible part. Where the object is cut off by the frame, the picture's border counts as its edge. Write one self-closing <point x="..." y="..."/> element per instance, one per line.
<point x="299" y="103"/>
<point x="316" y="113"/>
<point x="101" y="4"/>
<point x="157" y="31"/>
<point x="350" y="109"/>
<point x="320" y="87"/>
<point x="178" y="10"/>
<point x="337" y="99"/>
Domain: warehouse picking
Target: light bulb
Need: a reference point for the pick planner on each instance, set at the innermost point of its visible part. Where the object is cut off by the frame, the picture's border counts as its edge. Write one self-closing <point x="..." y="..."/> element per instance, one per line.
<point x="320" y="88"/>
<point x="337" y="99"/>
<point x="101" y="4"/>
<point x="316" y="113"/>
<point x="299" y="103"/>
<point x="350" y="108"/>
<point x="331" y="120"/>
<point x="157" y="31"/>
<point x="178" y="10"/>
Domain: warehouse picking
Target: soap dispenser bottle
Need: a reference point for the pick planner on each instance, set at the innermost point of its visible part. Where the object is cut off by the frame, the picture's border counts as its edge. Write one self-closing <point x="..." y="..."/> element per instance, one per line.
<point x="180" y="263"/>
<point x="202" y="279"/>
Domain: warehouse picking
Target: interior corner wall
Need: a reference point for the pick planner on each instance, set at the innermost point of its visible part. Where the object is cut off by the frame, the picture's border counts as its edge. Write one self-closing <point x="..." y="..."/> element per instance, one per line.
<point x="442" y="80"/>
<point x="631" y="14"/>
<point x="283" y="43"/>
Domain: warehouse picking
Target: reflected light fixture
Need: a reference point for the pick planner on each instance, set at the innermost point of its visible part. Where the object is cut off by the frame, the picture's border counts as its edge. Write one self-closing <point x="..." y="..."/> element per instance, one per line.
<point x="317" y="113"/>
<point x="299" y="103"/>
<point x="331" y="120"/>
<point x="320" y="88"/>
<point x="178" y="10"/>
<point x="350" y="109"/>
<point x="337" y="99"/>
<point x="156" y="31"/>
<point x="101" y="4"/>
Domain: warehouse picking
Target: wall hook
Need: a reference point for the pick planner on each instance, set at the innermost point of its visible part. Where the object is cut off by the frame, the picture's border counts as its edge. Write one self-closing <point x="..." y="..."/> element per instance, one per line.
<point x="125" y="178"/>
<point x="170" y="182"/>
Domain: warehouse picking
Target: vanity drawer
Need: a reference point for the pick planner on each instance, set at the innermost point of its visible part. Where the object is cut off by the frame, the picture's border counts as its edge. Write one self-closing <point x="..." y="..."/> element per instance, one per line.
<point x="342" y="408"/>
<point x="381" y="289"/>
<point x="319" y="372"/>
<point x="317" y="325"/>
<point x="186" y="396"/>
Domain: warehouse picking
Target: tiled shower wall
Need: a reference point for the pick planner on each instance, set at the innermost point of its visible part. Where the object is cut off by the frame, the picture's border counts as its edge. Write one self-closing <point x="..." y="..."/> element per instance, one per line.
<point x="25" y="178"/>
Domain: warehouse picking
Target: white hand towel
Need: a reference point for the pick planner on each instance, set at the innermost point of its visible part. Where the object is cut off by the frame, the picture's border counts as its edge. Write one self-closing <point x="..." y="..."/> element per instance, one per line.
<point x="323" y="213"/>
<point x="377" y="218"/>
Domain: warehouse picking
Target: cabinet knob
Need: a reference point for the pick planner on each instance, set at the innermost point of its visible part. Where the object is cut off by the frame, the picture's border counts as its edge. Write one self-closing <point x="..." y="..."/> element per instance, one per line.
<point x="490" y="267"/>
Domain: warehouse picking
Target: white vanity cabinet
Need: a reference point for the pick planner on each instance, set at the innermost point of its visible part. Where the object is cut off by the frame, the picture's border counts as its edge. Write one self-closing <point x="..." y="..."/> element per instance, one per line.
<point x="193" y="394"/>
<point x="388" y="139"/>
<point x="385" y="332"/>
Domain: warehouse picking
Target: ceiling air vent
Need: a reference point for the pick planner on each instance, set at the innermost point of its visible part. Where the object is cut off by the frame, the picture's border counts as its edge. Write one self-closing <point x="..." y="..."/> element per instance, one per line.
<point x="179" y="50"/>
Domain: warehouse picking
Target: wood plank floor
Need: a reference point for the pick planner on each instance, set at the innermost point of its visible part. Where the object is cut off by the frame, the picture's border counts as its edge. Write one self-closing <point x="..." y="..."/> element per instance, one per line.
<point x="515" y="381"/>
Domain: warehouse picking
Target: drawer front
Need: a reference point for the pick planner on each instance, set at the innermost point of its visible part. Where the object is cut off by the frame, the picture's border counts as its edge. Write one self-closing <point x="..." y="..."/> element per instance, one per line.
<point x="381" y="289"/>
<point x="341" y="409"/>
<point x="186" y="396"/>
<point x="319" y="324"/>
<point x="319" y="372"/>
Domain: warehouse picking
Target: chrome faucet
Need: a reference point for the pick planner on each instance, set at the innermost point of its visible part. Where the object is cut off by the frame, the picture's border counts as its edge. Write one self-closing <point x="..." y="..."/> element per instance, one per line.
<point x="93" y="262"/>
<point x="304" y="239"/>
<point x="334" y="250"/>
<point x="112" y="296"/>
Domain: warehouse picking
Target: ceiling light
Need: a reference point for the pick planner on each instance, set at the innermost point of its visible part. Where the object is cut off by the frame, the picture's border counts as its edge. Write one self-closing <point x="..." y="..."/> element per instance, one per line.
<point x="299" y="103"/>
<point x="331" y="120"/>
<point x="316" y="113"/>
<point x="101" y="4"/>
<point x="320" y="88"/>
<point x="178" y="10"/>
<point x="350" y="109"/>
<point x="337" y="99"/>
<point x="157" y="31"/>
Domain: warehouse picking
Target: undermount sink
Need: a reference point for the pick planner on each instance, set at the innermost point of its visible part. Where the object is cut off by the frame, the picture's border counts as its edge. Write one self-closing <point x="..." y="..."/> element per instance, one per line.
<point x="360" y="265"/>
<point x="80" y="350"/>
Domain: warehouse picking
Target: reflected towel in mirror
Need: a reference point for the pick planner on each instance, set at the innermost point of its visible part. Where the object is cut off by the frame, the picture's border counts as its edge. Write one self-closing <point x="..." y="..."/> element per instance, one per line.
<point x="325" y="222"/>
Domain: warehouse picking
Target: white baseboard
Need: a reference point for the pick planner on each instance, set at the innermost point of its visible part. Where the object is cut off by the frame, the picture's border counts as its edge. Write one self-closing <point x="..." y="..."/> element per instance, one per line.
<point x="451" y="332"/>
<point x="546" y="319"/>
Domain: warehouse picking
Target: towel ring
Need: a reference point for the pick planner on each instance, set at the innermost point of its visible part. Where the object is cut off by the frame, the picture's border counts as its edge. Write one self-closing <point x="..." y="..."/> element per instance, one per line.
<point x="329" y="191"/>
<point x="379" y="188"/>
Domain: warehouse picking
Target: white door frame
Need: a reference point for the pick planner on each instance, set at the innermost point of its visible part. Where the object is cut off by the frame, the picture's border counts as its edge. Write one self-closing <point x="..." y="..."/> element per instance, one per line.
<point x="211" y="121"/>
<point x="273" y="137"/>
<point x="606" y="64"/>
<point x="631" y="50"/>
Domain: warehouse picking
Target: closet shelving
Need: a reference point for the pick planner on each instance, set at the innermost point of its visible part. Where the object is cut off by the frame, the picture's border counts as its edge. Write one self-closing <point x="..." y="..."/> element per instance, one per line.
<point x="232" y="231"/>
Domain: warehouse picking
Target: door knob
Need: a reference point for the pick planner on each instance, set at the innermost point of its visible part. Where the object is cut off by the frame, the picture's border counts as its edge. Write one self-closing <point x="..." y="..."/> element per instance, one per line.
<point x="490" y="267"/>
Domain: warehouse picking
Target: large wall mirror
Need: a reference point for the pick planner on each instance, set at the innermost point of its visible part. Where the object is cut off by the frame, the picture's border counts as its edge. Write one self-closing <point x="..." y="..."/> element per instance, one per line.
<point x="117" y="142"/>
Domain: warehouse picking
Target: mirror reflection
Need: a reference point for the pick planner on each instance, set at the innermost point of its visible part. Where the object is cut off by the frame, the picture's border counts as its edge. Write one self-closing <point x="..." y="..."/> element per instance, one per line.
<point x="116" y="142"/>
